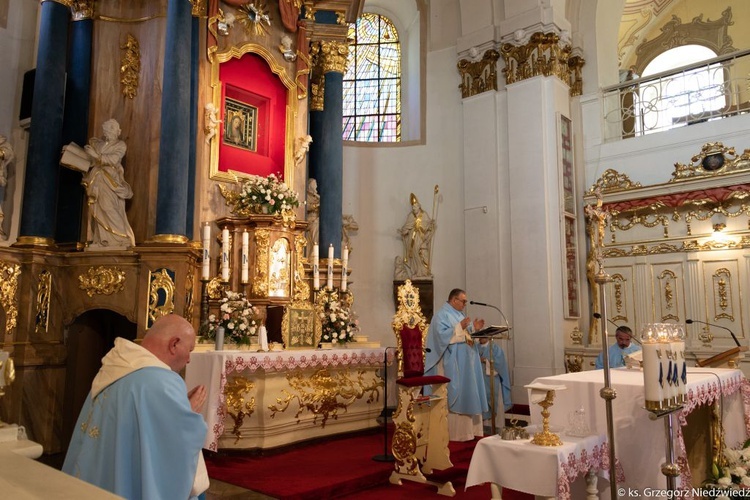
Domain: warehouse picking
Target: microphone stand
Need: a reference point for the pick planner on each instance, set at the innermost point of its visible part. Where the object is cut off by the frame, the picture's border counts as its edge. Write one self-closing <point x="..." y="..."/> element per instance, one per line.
<point x="385" y="457"/>
<point x="691" y="321"/>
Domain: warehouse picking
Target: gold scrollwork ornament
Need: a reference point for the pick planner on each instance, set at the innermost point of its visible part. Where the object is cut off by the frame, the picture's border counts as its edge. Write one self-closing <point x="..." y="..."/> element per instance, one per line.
<point x="161" y="295"/>
<point x="102" y="280"/>
<point x="9" y="274"/>
<point x="238" y="407"/>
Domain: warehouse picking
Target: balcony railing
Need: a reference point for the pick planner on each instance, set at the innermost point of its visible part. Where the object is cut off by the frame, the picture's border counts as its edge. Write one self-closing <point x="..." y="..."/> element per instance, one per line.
<point x="709" y="90"/>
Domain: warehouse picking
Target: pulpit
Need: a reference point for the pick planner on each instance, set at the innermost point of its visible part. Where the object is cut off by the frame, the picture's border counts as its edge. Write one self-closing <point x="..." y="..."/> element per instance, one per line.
<point x="420" y="439"/>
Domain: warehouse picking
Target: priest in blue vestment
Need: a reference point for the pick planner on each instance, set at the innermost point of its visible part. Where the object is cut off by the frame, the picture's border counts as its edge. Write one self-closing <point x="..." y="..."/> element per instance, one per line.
<point x="620" y="349"/>
<point x="139" y="434"/>
<point x="451" y="353"/>
<point x="496" y="376"/>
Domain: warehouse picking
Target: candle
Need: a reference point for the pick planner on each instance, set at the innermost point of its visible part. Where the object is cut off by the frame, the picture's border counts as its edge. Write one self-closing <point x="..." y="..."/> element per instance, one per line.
<point x="220" y="338"/>
<point x="316" y="269"/>
<point x="330" y="267"/>
<point x="245" y="254"/>
<point x="206" y="271"/>
<point x="225" y="254"/>
<point x="344" y="265"/>
<point x="651" y="376"/>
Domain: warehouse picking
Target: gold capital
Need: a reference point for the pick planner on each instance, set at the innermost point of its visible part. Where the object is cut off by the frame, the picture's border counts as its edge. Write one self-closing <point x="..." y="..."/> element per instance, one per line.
<point x="333" y="56"/>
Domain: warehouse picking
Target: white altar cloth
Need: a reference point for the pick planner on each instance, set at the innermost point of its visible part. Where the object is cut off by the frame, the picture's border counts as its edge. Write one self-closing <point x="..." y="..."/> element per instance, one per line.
<point x="546" y="471"/>
<point x="212" y="368"/>
<point x="640" y="442"/>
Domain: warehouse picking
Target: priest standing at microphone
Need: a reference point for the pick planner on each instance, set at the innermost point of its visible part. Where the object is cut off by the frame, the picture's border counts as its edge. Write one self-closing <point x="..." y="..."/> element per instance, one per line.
<point x="451" y="353"/>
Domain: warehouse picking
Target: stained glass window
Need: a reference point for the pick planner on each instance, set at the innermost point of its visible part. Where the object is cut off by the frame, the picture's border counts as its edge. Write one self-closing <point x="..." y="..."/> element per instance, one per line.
<point x="372" y="83"/>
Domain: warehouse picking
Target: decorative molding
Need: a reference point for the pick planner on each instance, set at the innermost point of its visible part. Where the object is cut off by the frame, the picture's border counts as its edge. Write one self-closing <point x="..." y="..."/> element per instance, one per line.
<point x="300" y="288"/>
<point x="714" y="159"/>
<point x="189" y="302"/>
<point x="260" y="283"/>
<point x="611" y="181"/>
<point x="575" y="64"/>
<point x="478" y="76"/>
<point x="161" y="295"/>
<point x="333" y="56"/>
<point x="102" y="280"/>
<point x="9" y="274"/>
<point x="43" y="294"/>
<point x="722" y="285"/>
<point x="317" y="90"/>
<point x="237" y="406"/>
<point x="573" y="363"/>
<point x="82" y="9"/>
<point x="542" y="55"/>
<point x="130" y="67"/>
<point x="323" y="394"/>
<point x="675" y="33"/>
<point x="199" y="8"/>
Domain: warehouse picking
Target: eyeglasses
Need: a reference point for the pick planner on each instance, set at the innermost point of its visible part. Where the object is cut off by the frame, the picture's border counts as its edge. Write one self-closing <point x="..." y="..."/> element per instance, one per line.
<point x="463" y="301"/>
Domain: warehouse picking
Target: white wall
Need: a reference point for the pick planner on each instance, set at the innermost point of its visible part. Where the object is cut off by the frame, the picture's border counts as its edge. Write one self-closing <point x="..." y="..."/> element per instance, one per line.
<point x="377" y="184"/>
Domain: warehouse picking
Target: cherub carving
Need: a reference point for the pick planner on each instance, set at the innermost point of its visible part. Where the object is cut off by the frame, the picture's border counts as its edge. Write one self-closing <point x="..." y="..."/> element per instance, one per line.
<point x="303" y="146"/>
<point x="211" y="121"/>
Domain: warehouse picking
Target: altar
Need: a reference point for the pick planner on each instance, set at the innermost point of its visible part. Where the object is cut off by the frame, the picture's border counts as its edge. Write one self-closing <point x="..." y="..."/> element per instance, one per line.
<point x="640" y="442"/>
<point x="270" y="399"/>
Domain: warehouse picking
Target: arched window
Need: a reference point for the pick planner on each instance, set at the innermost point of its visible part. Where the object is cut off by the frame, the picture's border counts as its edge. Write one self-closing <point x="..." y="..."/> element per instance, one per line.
<point x="683" y="97"/>
<point x="372" y="83"/>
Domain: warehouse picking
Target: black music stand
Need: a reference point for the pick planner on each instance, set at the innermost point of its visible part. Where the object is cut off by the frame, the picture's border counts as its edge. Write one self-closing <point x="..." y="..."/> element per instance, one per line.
<point x="492" y="332"/>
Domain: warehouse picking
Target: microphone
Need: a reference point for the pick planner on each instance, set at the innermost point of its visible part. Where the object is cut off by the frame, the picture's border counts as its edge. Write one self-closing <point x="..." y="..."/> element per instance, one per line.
<point x="632" y="336"/>
<point x="691" y="321"/>
<point x="427" y="349"/>
<point x="475" y="303"/>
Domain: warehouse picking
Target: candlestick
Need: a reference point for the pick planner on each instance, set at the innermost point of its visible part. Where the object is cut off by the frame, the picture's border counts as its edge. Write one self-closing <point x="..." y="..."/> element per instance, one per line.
<point x="329" y="284"/>
<point x="245" y="254"/>
<point x="316" y="269"/>
<point x="206" y="271"/>
<point x="225" y="254"/>
<point x="344" y="266"/>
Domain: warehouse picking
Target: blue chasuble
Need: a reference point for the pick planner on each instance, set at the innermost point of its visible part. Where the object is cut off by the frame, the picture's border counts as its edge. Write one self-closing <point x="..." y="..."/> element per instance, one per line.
<point x="460" y="363"/>
<point x="138" y="438"/>
<point x="616" y="355"/>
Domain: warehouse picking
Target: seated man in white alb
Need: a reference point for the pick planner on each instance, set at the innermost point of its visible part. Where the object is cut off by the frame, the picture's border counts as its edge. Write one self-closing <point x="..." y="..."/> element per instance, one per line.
<point x="620" y="349"/>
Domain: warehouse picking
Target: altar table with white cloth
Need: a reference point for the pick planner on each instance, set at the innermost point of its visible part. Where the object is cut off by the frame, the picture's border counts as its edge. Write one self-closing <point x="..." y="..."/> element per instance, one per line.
<point x="268" y="399"/>
<point x="546" y="471"/>
<point x="640" y="443"/>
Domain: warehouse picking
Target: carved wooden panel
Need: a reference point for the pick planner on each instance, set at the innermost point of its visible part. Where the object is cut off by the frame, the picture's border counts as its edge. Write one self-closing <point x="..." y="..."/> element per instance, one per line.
<point x="620" y="296"/>
<point x="668" y="291"/>
<point x="721" y="280"/>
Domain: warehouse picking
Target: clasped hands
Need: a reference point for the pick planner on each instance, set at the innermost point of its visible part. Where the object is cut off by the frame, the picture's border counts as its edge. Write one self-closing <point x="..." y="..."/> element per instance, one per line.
<point x="197" y="397"/>
<point x="478" y="325"/>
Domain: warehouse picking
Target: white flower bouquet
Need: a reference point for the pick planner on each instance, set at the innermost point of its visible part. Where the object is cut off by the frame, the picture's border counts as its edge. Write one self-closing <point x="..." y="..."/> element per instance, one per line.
<point x="335" y="318"/>
<point x="237" y="316"/>
<point x="733" y="475"/>
<point x="265" y="195"/>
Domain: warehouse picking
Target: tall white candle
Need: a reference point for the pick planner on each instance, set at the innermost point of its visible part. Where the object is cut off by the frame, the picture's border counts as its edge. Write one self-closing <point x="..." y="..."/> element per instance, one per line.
<point x="330" y="267"/>
<point x="206" y="271"/>
<point x="651" y="369"/>
<point x="316" y="268"/>
<point x="245" y="256"/>
<point x="344" y="267"/>
<point x="220" y="338"/>
<point x="225" y="254"/>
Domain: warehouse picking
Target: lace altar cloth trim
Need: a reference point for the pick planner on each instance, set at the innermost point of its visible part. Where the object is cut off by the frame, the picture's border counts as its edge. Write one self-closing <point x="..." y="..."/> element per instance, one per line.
<point x="576" y="466"/>
<point x="277" y="362"/>
<point x="706" y="394"/>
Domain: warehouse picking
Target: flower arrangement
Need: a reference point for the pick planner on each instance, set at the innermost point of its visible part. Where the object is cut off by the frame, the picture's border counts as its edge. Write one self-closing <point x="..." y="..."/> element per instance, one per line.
<point x="335" y="318"/>
<point x="237" y="316"/>
<point x="734" y="475"/>
<point x="265" y="195"/>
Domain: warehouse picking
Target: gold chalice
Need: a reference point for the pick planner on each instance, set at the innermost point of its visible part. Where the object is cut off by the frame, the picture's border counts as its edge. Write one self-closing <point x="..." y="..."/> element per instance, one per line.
<point x="544" y="395"/>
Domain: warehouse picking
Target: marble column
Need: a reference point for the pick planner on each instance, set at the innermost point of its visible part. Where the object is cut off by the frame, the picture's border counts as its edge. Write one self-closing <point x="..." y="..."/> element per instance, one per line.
<point x="194" y="55"/>
<point x="76" y="123"/>
<point x="45" y="139"/>
<point x="326" y="151"/>
<point x="174" y="144"/>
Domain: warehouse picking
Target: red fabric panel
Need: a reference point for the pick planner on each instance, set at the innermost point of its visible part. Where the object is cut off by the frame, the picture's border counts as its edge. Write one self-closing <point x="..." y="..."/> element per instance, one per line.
<point x="714" y="195"/>
<point x="411" y="351"/>
<point x="251" y="81"/>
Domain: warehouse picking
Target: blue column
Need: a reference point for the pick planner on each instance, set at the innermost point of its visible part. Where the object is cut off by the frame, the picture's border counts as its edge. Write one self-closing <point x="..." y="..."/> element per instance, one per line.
<point x="330" y="171"/>
<point x="75" y="129"/>
<point x="174" y="156"/>
<point x="194" y="117"/>
<point x="45" y="139"/>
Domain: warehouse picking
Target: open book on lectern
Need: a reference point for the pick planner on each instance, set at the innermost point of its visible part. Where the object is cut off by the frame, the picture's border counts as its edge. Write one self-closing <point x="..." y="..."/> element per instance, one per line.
<point x="491" y="331"/>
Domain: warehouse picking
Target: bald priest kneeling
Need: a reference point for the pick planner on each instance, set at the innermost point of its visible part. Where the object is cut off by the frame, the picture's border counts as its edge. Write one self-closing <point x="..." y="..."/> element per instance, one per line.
<point x="139" y="434"/>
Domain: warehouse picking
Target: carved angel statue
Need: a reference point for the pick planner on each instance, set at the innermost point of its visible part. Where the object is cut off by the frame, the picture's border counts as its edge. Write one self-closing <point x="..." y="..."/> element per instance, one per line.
<point x="225" y="22"/>
<point x="312" y="213"/>
<point x="348" y="226"/>
<point x="286" y="49"/>
<point x="303" y="146"/>
<point x="210" y="121"/>
<point x="6" y="156"/>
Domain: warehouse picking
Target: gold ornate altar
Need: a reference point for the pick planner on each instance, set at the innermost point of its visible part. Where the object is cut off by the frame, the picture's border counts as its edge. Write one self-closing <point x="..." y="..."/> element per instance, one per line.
<point x="265" y="400"/>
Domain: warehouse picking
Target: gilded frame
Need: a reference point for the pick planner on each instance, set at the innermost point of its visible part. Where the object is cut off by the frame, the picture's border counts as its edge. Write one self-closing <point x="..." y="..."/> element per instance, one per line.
<point x="291" y="110"/>
<point x="300" y="327"/>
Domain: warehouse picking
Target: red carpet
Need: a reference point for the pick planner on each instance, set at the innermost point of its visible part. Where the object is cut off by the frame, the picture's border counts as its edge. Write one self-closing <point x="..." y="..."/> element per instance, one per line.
<point x="340" y="467"/>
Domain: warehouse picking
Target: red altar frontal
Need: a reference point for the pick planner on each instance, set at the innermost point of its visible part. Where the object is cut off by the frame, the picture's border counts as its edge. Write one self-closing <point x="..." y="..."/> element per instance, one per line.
<point x="270" y="399"/>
